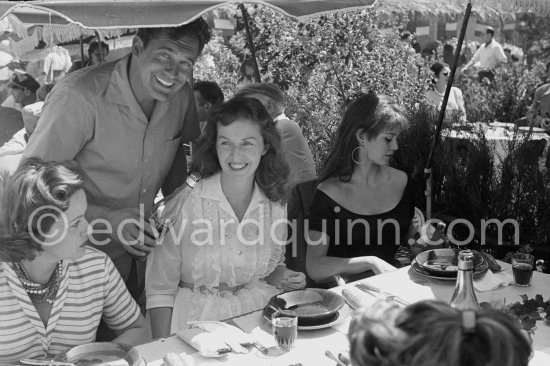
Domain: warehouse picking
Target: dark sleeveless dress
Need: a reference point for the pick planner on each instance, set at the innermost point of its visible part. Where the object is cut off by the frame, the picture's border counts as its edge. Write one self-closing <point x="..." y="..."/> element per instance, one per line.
<point x="354" y="235"/>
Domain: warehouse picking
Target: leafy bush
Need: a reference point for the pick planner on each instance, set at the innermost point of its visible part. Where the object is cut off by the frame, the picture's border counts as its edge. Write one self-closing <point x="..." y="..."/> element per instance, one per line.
<point x="323" y="63"/>
<point x="507" y="99"/>
<point x="217" y="63"/>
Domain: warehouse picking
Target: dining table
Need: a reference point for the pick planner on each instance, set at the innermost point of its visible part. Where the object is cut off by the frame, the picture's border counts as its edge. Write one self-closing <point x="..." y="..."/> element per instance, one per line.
<point x="311" y="345"/>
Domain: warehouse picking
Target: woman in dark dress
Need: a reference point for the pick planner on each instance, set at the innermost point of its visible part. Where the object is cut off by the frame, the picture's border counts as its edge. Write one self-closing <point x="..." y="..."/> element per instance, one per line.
<point x="362" y="208"/>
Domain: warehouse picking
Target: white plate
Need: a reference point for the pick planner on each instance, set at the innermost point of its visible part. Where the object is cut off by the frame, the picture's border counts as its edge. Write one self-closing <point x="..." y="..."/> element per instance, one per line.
<point x="343" y="314"/>
<point x="415" y="267"/>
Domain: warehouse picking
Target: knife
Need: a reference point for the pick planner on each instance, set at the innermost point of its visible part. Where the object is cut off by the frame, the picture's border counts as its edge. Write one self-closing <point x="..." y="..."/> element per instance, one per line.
<point x="376" y="292"/>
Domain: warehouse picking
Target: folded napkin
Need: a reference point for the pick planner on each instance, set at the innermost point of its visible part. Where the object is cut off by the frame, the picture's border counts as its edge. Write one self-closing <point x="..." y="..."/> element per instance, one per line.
<point x="490" y="281"/>
<point x="356" y="298"/>
<point x="208" y="344"/>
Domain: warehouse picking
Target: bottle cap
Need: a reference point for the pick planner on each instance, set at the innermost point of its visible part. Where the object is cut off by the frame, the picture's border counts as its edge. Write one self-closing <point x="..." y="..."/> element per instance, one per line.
<point x="192" y="179"/>
<point x="465" y="260"/>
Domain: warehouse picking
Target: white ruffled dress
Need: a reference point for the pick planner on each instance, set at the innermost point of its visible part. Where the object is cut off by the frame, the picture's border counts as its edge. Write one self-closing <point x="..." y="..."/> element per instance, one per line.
<point x="211" y="266"/>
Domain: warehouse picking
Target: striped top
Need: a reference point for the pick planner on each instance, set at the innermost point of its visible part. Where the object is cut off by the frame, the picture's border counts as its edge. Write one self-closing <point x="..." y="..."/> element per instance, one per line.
<point x="90" y="288"/>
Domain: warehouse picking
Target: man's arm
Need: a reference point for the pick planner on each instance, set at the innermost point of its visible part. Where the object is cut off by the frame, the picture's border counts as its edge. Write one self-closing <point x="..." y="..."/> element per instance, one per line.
<point x="65" y="126"/>
<point x="177" y="173"/>
<point x="473" y="60"/>
<point x="501" y="55"/>
<point x="191" y="131"/>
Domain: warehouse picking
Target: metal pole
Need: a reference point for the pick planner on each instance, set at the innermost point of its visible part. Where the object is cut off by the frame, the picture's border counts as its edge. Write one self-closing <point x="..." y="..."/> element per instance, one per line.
<point x="250" y="43"/>
<point x="81" y="50"/>
<point x="428" y="170"/>
<point x="101" y="56"/>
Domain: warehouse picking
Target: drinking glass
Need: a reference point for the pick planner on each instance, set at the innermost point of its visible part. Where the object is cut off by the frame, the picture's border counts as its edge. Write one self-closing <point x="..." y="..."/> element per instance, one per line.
<point x="522" y="267"/>
<point x="285" y="329"/>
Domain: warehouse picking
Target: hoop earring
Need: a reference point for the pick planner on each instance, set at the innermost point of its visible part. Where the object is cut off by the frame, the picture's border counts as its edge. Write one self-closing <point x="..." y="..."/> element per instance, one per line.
<point x="353" y="155"/>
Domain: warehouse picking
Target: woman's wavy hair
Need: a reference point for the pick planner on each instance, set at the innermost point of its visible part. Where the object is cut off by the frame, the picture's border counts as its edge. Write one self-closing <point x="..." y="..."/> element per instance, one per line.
<point x="430" y="333"/>
<point x="272" y="172"/>
<point x="371" y="113"/>
<point x="30" y="202"/>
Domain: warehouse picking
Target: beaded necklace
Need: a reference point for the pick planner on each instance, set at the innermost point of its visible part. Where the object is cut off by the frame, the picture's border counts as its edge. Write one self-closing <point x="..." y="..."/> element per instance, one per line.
<point x="37" y="292"/>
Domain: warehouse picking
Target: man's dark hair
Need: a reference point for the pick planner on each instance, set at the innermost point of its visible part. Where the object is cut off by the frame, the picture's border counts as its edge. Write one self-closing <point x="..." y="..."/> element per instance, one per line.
<point x="94" y="46"/>
<point x="490" y="31"/>
<point x="210" y="91"/>
<point x="198" y="28"/>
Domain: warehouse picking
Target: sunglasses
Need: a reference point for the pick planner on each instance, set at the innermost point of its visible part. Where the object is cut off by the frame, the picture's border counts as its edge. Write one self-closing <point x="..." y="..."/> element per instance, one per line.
<point x="445" y="74"/>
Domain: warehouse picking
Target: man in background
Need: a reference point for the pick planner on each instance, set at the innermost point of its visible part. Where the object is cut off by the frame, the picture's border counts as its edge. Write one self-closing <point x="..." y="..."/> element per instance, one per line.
<point x="295" y="149"/>
<point x="539" y="112"/>
<point x="5" y="72"/>
<point x="207" y="95"/>
<point x="96" y="56"/>
<point x="22" y="87"/>
<point x="487" y="57"/>
<point x="56" y="64"/>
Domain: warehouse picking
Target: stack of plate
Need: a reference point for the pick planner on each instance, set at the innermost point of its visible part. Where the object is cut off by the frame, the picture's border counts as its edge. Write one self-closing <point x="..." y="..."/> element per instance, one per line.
<point x="316" y="308"/>
<point x="442" y="264"/>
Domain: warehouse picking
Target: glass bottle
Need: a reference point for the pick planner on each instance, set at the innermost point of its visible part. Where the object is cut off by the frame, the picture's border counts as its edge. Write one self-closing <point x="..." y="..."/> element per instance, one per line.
<point x="464" y="296"/>
<point x="161" y="214"/>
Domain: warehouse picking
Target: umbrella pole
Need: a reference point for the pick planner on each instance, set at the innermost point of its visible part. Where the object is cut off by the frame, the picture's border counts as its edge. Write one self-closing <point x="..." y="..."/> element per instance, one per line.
<point x="428" y="175"/>
<point x="250" y="43"/>
<point x="101" y="56"/>
<point x="81" y="50"/>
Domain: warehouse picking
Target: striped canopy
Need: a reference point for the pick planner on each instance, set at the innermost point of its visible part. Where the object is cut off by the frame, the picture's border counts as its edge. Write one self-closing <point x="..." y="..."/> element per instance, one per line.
<point x="97" y="14"/>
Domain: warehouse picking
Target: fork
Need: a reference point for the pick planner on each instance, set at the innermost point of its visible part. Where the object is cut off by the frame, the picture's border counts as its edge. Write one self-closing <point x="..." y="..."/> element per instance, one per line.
<point x="375" y="291"/>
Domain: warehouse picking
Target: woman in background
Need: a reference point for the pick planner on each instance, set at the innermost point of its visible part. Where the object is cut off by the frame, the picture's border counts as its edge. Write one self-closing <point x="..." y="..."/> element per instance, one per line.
<point x="434" y="96"/>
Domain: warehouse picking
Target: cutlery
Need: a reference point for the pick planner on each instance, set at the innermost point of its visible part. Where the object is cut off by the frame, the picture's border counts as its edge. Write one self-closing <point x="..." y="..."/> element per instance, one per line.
<point x="330" y="355"/>
<point x="42" y="362"/>
<point x="252" y="342"/>
<point x="375" y="291"/>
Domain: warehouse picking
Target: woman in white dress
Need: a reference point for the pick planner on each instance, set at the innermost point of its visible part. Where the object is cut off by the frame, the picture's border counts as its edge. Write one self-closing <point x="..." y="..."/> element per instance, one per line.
<point x="225" y="254"/>
<point x="434" y="96"/>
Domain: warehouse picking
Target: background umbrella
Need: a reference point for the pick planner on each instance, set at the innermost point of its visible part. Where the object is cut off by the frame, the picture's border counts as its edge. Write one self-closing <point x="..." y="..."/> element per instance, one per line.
<point x="102" y="15"/>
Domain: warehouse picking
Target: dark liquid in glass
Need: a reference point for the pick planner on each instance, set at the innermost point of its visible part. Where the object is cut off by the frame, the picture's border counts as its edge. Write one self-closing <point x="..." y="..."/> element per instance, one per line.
<point x="522" y="273"/>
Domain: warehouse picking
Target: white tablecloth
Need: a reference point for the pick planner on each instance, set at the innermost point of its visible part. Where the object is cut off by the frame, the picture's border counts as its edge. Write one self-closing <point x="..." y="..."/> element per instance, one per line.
<point x="311" y="345"/>
<point x="498" y="137"/>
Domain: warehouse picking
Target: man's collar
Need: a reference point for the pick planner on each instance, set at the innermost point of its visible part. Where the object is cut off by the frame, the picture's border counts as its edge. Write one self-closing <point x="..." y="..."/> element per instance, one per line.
<point x="119" y="90"/>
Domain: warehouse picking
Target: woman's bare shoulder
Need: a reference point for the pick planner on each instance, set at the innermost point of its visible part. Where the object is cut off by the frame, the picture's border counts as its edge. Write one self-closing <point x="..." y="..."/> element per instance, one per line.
<point x="330" y="186"/>
<point x="399" y="177"/>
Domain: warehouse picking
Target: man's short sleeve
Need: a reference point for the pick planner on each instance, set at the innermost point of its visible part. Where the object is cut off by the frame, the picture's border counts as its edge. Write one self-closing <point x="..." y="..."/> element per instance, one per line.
<point x="64" y="127"/>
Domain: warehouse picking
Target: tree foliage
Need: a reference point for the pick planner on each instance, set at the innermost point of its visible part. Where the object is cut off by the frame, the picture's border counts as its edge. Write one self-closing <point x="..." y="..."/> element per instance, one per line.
<point x="324" y="63"/>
